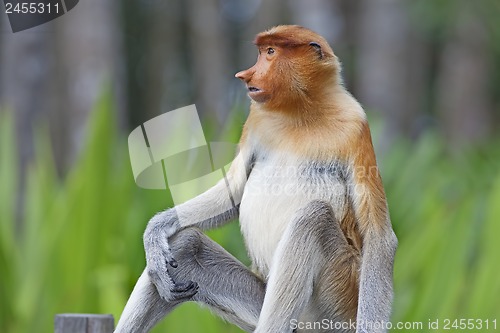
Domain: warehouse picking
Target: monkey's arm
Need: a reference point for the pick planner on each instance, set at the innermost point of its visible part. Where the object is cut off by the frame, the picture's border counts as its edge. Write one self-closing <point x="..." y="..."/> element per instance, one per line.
<point x="212" y="208"/>
<point x="379" y="240"/>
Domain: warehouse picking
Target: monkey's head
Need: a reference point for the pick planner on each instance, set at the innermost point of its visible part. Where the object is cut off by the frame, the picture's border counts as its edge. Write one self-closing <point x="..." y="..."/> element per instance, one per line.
<point x="295" y="68"/>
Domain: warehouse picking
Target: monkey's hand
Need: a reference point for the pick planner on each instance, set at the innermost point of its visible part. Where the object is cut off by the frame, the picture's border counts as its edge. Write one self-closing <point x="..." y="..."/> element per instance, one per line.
<point x="158" y="256"/>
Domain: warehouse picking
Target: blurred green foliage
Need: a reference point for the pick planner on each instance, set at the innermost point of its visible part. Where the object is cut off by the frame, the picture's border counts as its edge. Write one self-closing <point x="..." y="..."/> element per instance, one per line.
<point x="79" y="246"/>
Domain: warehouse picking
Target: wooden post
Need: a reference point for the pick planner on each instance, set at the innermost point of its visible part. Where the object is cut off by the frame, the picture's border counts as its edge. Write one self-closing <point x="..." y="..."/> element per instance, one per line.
<point x="83" y="323"/>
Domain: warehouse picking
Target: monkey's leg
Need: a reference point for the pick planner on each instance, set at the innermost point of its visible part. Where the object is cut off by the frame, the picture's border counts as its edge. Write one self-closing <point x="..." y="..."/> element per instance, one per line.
<point x="311" y="242"/>
<point x="226" y="286"/>
<point x="144" y="308"/>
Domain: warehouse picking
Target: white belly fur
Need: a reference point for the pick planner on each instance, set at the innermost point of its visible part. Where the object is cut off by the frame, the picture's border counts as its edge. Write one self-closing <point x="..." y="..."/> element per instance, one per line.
<point x="275" y="190"/>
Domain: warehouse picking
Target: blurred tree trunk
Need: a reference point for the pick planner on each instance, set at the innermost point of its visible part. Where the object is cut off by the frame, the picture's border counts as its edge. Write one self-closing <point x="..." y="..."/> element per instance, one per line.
<point x="90" y="60"/>
<point x="53" y="74"/>
<point x="167" y="80"/>
<point x="27" y="64"/>
<point x="210" y="58"/>
<point x="389" y="58"/>
<point x="344" y="43"/>
<point x="155" y="53"/>
<point x="463" y="102"/>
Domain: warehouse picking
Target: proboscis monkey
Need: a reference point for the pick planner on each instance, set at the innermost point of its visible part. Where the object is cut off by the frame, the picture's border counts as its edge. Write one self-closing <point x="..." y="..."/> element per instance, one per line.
<point x="311" y="204"/>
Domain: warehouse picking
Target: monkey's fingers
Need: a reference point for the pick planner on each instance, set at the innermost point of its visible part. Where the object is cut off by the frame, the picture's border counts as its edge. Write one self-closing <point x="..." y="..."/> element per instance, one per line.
<point x="185" y="286"/>
<point x="184" y="290"/>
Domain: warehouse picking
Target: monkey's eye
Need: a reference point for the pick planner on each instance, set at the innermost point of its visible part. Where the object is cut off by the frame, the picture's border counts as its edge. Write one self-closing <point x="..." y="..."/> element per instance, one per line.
<point x="270" y="50"/>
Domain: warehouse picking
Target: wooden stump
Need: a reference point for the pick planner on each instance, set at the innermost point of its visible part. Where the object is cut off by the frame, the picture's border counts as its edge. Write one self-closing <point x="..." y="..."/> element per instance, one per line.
<point x="83" y="323"/>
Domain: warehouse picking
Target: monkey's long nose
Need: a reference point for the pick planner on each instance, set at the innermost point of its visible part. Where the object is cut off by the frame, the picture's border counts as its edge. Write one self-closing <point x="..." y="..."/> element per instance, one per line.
<point x="244" y="75"/>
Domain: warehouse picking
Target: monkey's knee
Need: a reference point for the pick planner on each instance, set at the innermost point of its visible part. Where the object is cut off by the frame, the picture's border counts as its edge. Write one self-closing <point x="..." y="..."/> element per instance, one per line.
<point x="186" y="243"/>
<point x="312" y="214"/>
<point x="318" y="208"/>
<point x="317" y="223"/>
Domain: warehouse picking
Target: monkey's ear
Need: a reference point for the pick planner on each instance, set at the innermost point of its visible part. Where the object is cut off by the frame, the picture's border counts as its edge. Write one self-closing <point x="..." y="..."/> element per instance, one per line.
<point x="317" y="48"/>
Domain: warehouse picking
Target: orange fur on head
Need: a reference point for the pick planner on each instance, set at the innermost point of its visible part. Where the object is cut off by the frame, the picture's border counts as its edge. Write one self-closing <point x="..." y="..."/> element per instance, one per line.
<point x="290" y="36"/>
<point x="295" y="71"/>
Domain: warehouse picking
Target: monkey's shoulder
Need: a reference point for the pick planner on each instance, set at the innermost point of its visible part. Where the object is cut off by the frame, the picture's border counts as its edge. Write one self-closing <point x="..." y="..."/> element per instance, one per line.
<point x="334" y="143"/>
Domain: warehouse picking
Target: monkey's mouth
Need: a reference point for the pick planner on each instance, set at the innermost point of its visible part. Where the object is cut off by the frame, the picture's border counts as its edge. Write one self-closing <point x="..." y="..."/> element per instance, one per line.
<point x="253" y="89"/>
<point x="256" y="94"/>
